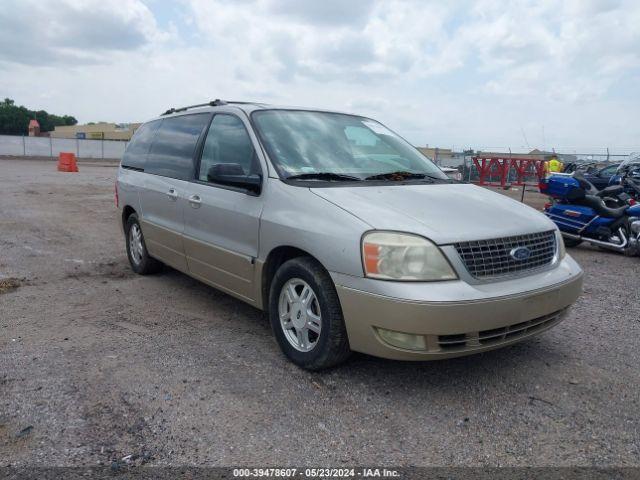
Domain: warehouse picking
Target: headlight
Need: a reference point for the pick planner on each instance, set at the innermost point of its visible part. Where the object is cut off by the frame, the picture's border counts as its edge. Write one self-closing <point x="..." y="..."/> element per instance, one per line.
<point x="402" y="256"/>
<point x="562" y="251"/>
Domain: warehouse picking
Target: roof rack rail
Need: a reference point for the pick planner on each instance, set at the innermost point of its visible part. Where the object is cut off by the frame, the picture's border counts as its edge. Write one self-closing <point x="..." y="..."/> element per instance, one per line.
<point x="234" y="102"/>
<point x="214" y="103"/>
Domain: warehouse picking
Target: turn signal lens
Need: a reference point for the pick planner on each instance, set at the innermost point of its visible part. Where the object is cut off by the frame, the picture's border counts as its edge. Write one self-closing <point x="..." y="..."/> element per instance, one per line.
<point x="403" y="256"/>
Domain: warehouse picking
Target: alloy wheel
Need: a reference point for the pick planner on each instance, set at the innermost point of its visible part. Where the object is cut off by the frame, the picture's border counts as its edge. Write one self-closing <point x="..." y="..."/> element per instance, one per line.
<point x="299" y="312"/>
<point x="135" y="243"/>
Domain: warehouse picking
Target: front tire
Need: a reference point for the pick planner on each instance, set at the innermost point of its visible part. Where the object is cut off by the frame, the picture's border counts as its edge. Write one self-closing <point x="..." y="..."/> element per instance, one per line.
<point x="139" y="258"/>
<point x="306" y="316"/>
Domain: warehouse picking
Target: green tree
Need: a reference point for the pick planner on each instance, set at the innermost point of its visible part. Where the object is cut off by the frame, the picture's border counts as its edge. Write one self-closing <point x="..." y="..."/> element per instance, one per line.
<point x="14" y="120"/>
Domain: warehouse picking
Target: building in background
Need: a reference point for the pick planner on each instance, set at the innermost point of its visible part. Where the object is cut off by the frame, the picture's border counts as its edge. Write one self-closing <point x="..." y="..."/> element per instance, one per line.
<point x="97" y="131"/>
<point x="441" y="156"/>
<point x="563" y="157"/>
<point x="445" y="157"/>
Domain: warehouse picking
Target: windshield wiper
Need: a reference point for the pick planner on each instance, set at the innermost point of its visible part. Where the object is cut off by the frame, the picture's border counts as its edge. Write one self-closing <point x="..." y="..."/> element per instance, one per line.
<point x="398" y="176"/>
<point x="446" y="180"/>
<point x="327" y="176"/>
<point x="401" y="175"/>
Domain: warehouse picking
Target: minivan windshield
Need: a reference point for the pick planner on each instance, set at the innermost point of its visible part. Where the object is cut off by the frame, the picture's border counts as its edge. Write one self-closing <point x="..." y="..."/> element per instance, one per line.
<point x="325" y="146"/>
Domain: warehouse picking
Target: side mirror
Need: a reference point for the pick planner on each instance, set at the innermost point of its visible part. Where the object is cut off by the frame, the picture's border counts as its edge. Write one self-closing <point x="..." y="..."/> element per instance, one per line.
<point x="233" y="175"/>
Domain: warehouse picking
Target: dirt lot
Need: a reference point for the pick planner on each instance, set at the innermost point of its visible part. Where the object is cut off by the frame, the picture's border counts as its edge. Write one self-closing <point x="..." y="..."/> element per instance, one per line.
<point x="97" y="363"/>
<point x="532" y="196"/>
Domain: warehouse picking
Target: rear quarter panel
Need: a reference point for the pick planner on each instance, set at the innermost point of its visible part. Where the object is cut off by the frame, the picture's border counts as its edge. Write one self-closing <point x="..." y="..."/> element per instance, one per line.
<point x="129" y="182"/>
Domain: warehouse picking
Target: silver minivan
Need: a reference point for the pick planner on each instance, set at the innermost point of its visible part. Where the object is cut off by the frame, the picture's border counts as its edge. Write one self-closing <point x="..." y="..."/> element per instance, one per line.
<point x="342" y="231"/>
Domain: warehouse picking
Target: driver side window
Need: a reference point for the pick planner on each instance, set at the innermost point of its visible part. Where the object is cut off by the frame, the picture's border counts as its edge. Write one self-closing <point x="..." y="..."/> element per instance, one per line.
<point x="227" y="142"/>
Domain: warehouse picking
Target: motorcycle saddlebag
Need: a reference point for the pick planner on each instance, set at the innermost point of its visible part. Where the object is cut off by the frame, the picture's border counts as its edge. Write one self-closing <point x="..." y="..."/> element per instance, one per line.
<point x="570" y="218"/>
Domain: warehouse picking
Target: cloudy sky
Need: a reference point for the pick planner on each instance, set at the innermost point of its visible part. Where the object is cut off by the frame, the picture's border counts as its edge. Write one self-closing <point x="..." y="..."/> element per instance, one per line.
<point x="462" y="73"/>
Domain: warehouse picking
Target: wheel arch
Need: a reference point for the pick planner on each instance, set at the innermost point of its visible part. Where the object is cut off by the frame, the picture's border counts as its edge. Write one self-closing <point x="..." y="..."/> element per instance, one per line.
<point x="276" y="257"/>
<point x="127" y="211"/>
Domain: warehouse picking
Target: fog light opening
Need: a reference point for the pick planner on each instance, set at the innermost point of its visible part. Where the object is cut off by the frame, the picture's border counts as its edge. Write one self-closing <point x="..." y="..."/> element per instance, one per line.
<point x="406" y="341"/>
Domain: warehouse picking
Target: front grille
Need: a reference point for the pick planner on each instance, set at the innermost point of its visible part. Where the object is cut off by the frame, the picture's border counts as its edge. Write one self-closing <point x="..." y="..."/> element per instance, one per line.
<point x="484" y="338"/>
<point x="492" y="258"/>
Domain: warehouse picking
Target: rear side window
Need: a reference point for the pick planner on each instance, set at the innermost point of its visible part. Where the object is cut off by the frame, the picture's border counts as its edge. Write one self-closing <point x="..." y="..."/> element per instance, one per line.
<point x="173" y="149"/>
<point x="136" y="153"/>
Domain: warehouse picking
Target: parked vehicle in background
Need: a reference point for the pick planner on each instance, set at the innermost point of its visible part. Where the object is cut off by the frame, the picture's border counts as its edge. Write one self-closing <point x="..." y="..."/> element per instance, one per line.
<point x="629" y="169"/>
<point x="582" y="215"/>
<point x="601" y="178"/>
<point x="452" y="173"/>
<point x="582" y="167"/>
<point x="342" y="231"/>
<point x="628" y="175"/>
<point x="613" y="195"/>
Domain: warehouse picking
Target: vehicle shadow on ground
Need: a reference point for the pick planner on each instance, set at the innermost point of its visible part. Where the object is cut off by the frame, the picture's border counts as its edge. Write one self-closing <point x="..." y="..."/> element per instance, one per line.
<point x="525" y="360"/>
<point x="217" y="300"/>
<point x="504" y="358"/>
<point x="524" y="367"/>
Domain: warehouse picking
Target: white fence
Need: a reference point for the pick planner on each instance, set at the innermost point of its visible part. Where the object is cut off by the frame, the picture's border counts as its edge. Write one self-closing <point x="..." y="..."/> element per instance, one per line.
<point x="19" y="146"/>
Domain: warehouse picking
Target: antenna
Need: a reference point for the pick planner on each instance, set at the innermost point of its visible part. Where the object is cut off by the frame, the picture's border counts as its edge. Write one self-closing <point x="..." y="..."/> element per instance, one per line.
<point x="525" y="139"/>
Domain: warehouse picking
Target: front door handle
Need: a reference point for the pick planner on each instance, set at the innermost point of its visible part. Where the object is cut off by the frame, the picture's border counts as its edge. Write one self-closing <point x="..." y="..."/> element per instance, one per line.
<point x="195" y="201"/>
<point x="172" y="194"/>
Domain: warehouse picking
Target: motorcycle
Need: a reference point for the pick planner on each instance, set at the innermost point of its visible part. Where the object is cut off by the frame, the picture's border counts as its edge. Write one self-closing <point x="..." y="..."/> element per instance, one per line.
<point x="615" y="195"/>
<point x="628" y="175"/>
<point x="584" y="216"/>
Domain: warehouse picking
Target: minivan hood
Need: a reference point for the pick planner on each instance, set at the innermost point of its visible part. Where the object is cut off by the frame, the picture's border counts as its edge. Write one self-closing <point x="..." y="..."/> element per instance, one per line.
<point x="444" y="213"/>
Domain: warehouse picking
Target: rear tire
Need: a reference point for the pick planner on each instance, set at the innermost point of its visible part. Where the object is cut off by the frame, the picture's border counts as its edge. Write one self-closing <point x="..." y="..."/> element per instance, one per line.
<point x="139" y="258"/>
<point x="306" y="316"/>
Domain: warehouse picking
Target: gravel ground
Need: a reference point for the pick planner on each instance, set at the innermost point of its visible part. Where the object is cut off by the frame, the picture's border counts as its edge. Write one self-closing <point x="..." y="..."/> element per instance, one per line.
<point x="97" y="363"/>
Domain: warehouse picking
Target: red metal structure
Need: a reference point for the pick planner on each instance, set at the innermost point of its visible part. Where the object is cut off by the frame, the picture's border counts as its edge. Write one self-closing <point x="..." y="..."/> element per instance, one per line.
<point x="489" y="167"/>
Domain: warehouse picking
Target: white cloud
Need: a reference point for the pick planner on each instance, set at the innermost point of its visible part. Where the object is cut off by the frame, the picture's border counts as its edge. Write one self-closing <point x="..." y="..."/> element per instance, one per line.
<point x="471" y="72"/>
<point x="70" y="32"/>
<point x="326" y="12"/>
<point x="572" y="50"/>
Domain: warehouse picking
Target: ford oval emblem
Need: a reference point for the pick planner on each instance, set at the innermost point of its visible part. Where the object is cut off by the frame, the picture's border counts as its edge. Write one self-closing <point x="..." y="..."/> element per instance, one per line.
<point x="520" y="253"/>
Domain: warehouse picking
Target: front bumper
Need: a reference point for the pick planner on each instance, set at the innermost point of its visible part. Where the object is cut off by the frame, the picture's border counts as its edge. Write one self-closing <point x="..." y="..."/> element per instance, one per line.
<point x="483" y="317"/>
